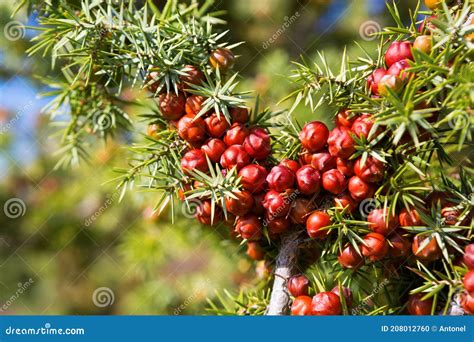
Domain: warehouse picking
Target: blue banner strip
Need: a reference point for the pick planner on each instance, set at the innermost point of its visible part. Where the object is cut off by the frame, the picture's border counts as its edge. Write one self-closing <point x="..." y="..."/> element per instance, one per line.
<point x="242" y="329"/>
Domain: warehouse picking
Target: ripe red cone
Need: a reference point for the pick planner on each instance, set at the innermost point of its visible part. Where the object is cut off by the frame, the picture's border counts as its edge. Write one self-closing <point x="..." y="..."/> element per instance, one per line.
<point x="409" y="218"/>
<point x="398" y="51"/>
<point x="323" y="161"/>
<point x="293" y="165"/>
<point x="241" y="204"/>
<point x="314" y="136"/>
<point x="308" y="180"/>
<point x="216" y="125"/>
<point x="249" y="227"/>
<point x="426" y="251"/>
<point x="298" y="285"/>
<point x="171" y="105"/>
<point x="301" y="306"/>
<point x="350" y="258"/>
<point x="334" y="181"/>
<point x="192" y="129"/>
<point x="235" y="156"/>
<point x="316" y="224"/>
<point x="325" y="304"/>
<point x="359" y="189"/>
<point x="469" y="256"/>
<point x="371" y="171"/>
<point x="380" y="221"/>
<point x="468" y="282"/>
<point x="257" y="144"/>
<point x="280" y="178"/>
<point x="375" y="247"/>
<point x="277" y="204"/>
<point x="253" y="177"/>
<point x="419" y="307"/>
<point x="194" y="159"/>
<point x="362" y="125"/>
<point x="236" y="134"/>
<point x="214" y="148"/>
<point x="344" y="118"/>
<point x="340" y="142"/>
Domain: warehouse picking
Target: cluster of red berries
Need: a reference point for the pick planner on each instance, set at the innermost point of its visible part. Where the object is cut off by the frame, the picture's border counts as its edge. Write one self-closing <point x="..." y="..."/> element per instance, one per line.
<point x="321" y="304"/>
<point x="387" y="239"/>
<point x="329" y="165"/>
<point x="229" y="142"/>
<point x="330" y="302"/>
<point x="287" y="194"/>
<point x="427" y="25"/>
<point x="397" y="59"/>
<point x="274" y="197"/>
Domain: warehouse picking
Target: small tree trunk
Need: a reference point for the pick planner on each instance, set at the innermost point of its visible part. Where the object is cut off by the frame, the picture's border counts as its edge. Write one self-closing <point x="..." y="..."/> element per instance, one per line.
<point x="284" y="269"/>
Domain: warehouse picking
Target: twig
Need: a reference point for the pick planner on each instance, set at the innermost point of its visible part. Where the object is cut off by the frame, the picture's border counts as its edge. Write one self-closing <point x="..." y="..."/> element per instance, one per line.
<point x="285" y="265"/>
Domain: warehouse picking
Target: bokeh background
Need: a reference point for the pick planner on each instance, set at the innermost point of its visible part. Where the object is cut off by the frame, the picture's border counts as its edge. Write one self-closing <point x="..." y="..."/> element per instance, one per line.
<point x="74" y="248"/>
